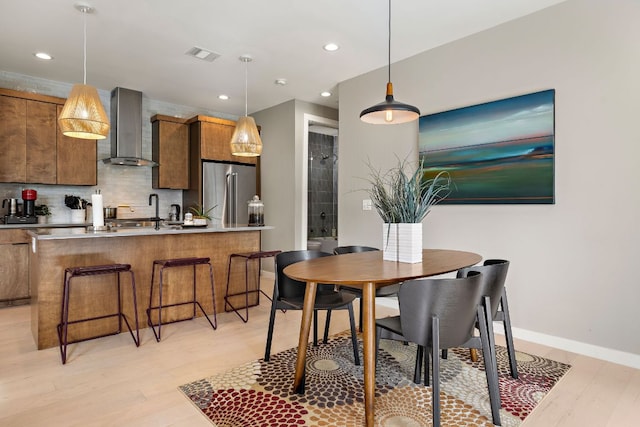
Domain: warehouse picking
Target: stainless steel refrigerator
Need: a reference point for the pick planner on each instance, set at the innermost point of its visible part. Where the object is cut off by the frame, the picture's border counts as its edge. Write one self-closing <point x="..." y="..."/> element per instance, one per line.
<point x="228" y="187"/>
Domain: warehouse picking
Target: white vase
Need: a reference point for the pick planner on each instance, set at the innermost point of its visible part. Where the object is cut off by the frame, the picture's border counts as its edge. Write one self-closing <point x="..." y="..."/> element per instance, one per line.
<point x="402" y="242"/>
<point x="78" y="216"/>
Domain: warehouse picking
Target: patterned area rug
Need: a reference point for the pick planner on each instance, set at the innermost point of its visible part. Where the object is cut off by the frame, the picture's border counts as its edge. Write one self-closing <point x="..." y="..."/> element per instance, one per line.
<point x="260" y="393"/>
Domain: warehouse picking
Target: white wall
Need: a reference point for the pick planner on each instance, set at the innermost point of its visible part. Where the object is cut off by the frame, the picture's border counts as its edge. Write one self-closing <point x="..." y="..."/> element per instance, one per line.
<point x="276" y="173"/>
<point x="572" y="274"/>
<point x="283" y="171"/>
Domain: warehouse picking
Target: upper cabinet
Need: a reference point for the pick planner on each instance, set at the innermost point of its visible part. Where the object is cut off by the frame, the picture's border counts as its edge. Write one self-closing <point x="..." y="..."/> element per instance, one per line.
<point x="76" y="159"/>
<point x="41" y="142"/>
<point x="210" y="139"/>
<point x="13" y="139"/>
<point x="27" y="141"/>
<point x="170" y="142"/>
<point x="34" y="151"/>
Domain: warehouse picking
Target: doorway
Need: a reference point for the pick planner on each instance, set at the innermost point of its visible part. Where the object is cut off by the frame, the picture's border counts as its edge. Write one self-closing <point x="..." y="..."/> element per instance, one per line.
<point x="321" y="217"/>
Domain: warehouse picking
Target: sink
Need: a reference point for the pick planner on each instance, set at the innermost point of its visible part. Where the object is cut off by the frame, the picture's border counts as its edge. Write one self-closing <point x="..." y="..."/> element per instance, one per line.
<point x="134" y="223"/>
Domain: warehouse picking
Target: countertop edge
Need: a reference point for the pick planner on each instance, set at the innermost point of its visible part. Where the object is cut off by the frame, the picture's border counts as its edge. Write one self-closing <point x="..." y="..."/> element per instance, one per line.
<point x="83" y="233"/>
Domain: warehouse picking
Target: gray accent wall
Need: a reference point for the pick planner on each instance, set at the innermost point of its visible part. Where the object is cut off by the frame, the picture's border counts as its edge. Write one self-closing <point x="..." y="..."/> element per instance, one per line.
<point x="571" y="279"/>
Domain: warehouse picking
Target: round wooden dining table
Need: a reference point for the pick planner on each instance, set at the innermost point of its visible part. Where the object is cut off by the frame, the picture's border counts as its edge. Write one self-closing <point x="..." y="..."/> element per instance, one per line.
<point x="366" y="270"/>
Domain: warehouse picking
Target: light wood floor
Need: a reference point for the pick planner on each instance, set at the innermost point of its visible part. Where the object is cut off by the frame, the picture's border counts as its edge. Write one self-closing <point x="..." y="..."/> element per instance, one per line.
<point x="110" y="382"/>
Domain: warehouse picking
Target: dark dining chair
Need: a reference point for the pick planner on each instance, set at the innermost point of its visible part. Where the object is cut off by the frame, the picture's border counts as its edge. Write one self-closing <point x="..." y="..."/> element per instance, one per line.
<point x="494" y="274"/>
<point x="441" y="313"/>
<point x="288" y="294"/>
<point x="387" y="291"/>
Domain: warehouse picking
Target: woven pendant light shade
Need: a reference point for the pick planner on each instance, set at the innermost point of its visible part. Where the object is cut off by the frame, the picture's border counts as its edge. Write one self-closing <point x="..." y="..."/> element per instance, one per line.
<point x="246" y="141"/>
<point x="83" y="115"/>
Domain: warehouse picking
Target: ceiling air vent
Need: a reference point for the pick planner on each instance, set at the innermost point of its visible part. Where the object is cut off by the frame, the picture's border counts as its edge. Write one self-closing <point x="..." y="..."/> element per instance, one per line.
<point x="204" y="54"/>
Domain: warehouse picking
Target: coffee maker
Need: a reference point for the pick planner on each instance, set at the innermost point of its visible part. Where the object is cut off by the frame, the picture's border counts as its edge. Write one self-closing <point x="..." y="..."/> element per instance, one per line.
<point x="29" y="202"/>
<point x="28" y="214"/>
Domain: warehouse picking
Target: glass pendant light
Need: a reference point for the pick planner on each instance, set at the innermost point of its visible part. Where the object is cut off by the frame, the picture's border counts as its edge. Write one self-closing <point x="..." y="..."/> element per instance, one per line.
<point x="389" y="111"/>
<point x="83" y="115"/>
<point x="246" y="140"/>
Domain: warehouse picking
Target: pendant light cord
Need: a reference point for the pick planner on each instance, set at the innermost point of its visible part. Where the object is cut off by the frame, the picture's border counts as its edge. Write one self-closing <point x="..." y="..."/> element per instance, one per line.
<point x="246" y="79"/>
<point x="389" y="51"/>
<point x="84" y="78"/>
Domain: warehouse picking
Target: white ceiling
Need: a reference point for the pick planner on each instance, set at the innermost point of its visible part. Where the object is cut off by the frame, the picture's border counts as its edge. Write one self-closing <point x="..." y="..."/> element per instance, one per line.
<point x="141" y="44"/>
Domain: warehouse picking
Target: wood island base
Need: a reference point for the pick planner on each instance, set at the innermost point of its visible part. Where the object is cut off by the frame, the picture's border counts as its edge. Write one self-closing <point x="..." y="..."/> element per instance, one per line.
<point x="92" y="296"/>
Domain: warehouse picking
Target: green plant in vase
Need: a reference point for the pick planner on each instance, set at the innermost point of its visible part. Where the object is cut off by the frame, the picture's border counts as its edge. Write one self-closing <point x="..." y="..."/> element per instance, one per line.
<point x="43" y="213"/>
<point x="401" y="196"/>
<point x="42" y="210"/>
<point x="200" y="214"/>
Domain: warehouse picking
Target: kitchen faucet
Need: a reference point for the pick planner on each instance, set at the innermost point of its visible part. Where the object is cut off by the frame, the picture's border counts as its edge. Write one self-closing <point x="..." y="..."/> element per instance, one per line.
<point x="157" y="217"/>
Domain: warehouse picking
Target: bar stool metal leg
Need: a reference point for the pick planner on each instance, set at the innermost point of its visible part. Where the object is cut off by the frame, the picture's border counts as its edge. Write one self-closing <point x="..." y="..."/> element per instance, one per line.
<point x="136" y="338"/>
<point x="179" y="262"/>
<point x="74" y="272"/>
<point x="64" y="316"/>
<point x="248" y="256"/>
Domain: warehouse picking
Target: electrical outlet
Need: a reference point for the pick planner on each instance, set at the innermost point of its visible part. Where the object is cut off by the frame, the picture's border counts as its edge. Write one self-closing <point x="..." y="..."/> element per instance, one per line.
<point x="366" y="205"/>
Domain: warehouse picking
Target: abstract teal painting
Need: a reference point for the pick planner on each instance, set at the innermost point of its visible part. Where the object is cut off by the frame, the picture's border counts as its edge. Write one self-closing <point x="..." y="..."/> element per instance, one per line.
<point x="500" y="152"/>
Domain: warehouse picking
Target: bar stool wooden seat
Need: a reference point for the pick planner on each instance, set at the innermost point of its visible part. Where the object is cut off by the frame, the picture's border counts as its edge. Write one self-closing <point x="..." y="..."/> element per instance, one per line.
<point x="160" y="266"/>
<point x="95" y="270"/>
<point x="247" y="256"/>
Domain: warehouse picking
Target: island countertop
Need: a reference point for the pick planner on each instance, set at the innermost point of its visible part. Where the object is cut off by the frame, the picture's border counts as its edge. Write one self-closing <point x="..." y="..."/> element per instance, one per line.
<point x="86" y="233"/>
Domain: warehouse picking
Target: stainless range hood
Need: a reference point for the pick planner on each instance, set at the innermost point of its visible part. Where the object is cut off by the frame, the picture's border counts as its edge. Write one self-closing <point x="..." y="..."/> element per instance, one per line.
<point x="126" y="129"/>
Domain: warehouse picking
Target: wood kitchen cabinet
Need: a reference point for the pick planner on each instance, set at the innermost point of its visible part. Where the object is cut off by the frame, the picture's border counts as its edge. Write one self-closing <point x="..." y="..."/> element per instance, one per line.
<point x="13" y="144"/>
<point x="14" y="265"/>
<point x="41" y="142"/>
<point x="209" y="139"/>
<point x="77" y="162"/>
<point x="34" y="150"/>
<point x="170" y="146"/>
<point x="27" y="141"/>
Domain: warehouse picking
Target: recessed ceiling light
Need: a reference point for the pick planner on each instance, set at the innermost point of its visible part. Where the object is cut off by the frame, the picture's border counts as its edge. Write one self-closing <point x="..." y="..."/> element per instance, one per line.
<point x="281" y="82"/>
<point x="325" y="94"/>
<point x="223" y="97"/>
<point x="331" y="47"/>
<point x="43" y="55"/>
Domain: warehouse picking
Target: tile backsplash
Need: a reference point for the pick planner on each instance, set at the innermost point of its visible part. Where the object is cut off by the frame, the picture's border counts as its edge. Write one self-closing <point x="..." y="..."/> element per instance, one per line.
<point x="124" y="185"/>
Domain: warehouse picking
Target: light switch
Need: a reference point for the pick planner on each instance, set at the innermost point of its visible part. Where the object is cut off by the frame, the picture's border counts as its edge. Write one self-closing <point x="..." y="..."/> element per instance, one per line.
<point x="366" y="205"/>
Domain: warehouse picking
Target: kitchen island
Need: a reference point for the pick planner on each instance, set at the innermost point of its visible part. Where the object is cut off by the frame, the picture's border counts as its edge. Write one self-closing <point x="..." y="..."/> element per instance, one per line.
<point x="54" y="249"/>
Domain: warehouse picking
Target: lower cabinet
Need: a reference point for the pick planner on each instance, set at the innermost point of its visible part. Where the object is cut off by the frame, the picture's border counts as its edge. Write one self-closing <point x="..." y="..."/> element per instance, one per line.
<point x="14" y="265"/>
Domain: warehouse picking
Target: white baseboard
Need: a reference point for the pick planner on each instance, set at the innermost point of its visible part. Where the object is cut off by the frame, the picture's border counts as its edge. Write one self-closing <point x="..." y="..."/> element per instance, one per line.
<point x="595" y="351"/>
<point x="603" y="353"/>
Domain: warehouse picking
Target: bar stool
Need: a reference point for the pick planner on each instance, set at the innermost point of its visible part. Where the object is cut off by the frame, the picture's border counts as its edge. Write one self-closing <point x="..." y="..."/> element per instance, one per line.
<point x="172" y="263"/>
<point x="248" y="256"/>
<point x="74" y="272"/>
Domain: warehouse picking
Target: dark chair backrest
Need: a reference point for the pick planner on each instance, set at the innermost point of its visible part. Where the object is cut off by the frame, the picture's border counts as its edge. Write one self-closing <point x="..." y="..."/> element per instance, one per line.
<point x="494" y="274"/>
<point x="352" y="249"/>
<point x="453" y="300"/>
<point x="287" y="287"/>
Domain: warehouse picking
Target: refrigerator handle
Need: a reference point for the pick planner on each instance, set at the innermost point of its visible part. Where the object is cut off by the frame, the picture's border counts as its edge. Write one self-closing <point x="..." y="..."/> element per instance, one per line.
<point x="232" y="198"/>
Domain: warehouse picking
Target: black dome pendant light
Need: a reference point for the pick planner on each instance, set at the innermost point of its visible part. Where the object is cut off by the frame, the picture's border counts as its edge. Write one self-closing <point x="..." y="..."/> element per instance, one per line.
<point x="390" y="111"/>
